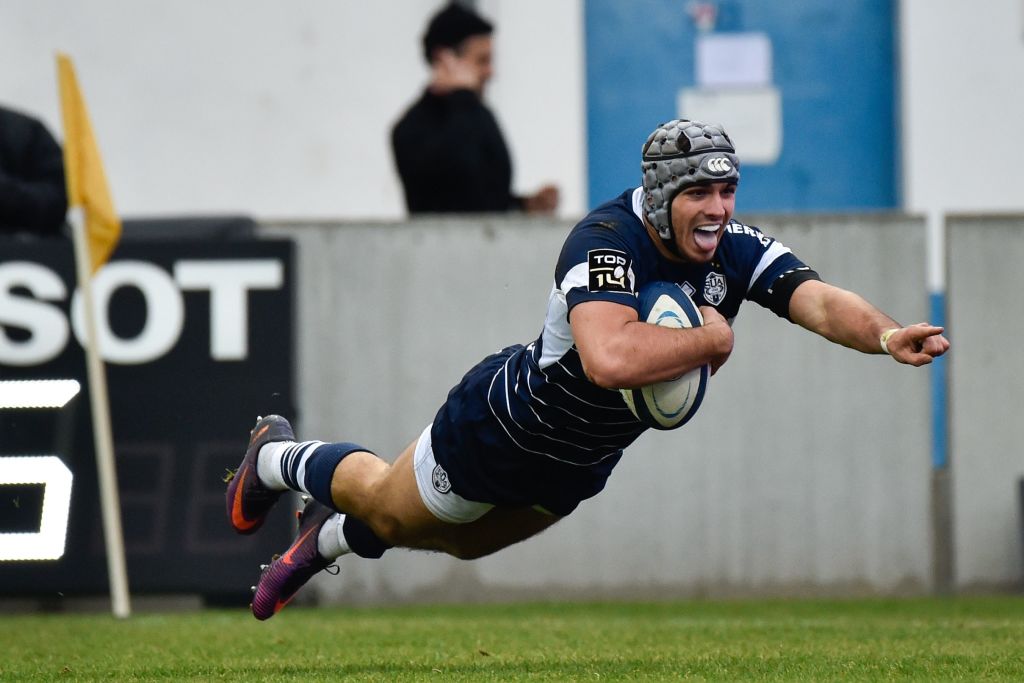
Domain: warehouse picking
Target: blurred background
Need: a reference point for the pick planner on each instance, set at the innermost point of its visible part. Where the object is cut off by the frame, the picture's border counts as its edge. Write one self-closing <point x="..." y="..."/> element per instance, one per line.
<point x="879" y="140"/>
<point x="284" y="112"/>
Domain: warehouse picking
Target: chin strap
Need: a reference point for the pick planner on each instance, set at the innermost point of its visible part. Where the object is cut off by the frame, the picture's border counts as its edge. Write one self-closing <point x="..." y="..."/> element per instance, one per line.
<point x="671" y="246"/>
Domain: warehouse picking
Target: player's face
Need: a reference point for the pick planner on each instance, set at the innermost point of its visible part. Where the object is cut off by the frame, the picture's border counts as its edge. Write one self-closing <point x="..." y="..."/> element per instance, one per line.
<point x="475" y="52"/>
<point x="699" y="216"/>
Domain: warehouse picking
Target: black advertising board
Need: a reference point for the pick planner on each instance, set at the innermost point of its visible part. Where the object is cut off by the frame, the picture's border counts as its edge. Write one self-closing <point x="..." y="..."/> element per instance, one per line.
<point x="197" y="339"/>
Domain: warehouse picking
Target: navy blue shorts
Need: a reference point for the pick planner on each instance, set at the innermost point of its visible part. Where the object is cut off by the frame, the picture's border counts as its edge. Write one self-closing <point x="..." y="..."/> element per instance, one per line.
<point x="484" y="465"/>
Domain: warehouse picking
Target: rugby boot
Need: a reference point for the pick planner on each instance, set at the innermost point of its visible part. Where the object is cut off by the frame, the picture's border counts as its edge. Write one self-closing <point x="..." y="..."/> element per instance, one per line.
<point x="286" y="574"/>
<point x="248" y="500"/>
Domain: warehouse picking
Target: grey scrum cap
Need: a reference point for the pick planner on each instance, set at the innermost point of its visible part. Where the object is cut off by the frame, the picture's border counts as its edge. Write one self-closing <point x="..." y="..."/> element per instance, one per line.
<point x="678" y="154"/>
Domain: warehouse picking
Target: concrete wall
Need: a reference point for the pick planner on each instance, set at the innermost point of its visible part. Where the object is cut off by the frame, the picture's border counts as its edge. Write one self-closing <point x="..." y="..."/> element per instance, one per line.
<point x="807" y="470"/>
<point x="988" y="393"/>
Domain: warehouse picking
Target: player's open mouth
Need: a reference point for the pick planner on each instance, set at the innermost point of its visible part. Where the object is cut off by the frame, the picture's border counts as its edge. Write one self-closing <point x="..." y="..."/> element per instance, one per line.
<point x="706" y="237"/>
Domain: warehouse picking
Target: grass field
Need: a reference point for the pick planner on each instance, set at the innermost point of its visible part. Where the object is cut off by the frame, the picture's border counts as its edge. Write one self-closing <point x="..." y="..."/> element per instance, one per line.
<point x="927" y="640"/>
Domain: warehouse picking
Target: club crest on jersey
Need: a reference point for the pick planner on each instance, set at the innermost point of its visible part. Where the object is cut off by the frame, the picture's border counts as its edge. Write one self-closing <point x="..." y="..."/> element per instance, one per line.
<point x="608" y="270"/>
<point x="714" y="288"/>
<point x="440" y="479"/>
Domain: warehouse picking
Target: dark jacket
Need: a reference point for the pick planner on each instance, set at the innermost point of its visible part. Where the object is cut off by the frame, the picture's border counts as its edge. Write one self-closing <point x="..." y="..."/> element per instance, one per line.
<point x="33" y="197"/>
<point x="452" y="157"/>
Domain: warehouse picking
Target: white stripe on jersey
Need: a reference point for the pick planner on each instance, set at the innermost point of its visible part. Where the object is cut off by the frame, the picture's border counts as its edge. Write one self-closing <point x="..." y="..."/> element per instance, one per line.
<point x="773" y="252"/>
<point x="554" y="383"/>
<point x="557" y="335"/>
<point x="508" y="406"/>
<point x="529" y="389"/>
<point x="572" y="414"/>
<point x="567" y="370"/>
<point x="539" y="418"/>
<point x="638" y="203"/>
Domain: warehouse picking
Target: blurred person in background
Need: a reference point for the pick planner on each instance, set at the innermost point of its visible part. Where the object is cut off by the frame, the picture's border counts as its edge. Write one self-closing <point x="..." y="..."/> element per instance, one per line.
<point x="448" y="148"/>
<point x="33" y="197"/>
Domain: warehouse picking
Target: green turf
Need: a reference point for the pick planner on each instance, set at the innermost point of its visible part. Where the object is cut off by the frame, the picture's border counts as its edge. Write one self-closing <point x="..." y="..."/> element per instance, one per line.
<point x="927" y="640"/>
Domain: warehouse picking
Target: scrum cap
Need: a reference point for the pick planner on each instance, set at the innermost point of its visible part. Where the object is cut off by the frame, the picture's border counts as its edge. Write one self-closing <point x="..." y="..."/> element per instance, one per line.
<point x="678" y="154"/>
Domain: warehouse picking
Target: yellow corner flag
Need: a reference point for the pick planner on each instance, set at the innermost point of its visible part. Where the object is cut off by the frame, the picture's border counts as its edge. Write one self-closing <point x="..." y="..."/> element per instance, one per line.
<point x="83" y="169"/>
<point x="96" y="229"/>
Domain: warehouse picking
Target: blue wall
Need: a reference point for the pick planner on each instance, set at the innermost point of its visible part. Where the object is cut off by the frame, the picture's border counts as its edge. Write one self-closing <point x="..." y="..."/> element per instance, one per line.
<point x="834" y="63"/>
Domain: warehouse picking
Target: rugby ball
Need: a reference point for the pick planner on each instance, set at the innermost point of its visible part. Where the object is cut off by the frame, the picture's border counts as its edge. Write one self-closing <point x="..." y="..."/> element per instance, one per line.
<point x="669" y="404"/>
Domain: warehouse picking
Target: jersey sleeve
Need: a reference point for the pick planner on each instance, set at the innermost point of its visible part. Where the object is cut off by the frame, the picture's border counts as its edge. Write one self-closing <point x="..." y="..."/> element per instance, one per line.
<point x="596" y="264"/>
<point x="775" y="273"/>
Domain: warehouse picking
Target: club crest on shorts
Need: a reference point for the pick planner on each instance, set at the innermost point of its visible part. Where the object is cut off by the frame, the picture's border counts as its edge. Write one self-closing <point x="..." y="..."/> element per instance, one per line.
<point x="714" y="288"/>
<point x="440" y="479"/>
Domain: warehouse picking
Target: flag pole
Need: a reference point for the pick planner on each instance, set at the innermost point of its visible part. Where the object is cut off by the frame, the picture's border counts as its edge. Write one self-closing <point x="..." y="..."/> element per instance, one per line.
<point x="103" y="440"/>
<point x="95" y="231"/>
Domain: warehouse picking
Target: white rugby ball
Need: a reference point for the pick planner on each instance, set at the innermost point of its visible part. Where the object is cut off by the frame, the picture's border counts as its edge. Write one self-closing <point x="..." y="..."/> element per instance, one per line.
<point x="669" y="404"/>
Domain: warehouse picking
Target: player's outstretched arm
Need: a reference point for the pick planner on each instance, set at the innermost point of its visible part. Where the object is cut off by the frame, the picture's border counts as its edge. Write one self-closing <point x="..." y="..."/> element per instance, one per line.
<point x="847" y="318"/>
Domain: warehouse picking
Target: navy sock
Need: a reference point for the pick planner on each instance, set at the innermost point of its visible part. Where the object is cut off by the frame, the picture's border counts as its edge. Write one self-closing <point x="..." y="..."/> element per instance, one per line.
<point x="318" y="465"/>
<point x="361" y="539"/>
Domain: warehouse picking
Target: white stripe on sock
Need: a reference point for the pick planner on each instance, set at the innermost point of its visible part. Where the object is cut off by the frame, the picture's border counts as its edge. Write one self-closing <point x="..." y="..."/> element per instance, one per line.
<point x="268" y="465"/>
<point x="302" y="453"/>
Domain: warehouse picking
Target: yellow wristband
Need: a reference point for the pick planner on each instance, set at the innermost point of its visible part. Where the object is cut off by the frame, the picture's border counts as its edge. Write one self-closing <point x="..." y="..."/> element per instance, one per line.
<point x="883" y="340"/>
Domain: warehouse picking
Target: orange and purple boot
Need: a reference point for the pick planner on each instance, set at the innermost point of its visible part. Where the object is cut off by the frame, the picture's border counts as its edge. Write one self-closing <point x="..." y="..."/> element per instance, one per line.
<point x="248" y="500"/>
<point x="287" y="573"/>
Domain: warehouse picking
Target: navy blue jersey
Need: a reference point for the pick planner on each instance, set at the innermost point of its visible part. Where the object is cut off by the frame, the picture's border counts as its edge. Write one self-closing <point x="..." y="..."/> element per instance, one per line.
<point x="526" y="426"/>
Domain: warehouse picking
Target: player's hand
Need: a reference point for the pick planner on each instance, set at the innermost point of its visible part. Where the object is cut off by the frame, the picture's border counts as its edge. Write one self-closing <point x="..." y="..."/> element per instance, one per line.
<point x="714" y="321"/>
<point x="918" y="344"/>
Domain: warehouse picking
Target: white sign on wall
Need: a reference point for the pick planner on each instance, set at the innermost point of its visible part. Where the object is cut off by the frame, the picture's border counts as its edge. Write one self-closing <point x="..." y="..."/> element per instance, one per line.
<point x="734" y="88"/>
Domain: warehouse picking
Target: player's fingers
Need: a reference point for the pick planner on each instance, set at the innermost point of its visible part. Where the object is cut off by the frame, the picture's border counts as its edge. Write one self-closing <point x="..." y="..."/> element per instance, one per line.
<point x="710" y="314"/>
<point x="918" y="359"/>
<point x="935" y="346"/>
<point x="924" y="351"/>
<point x="923" y="330"/>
